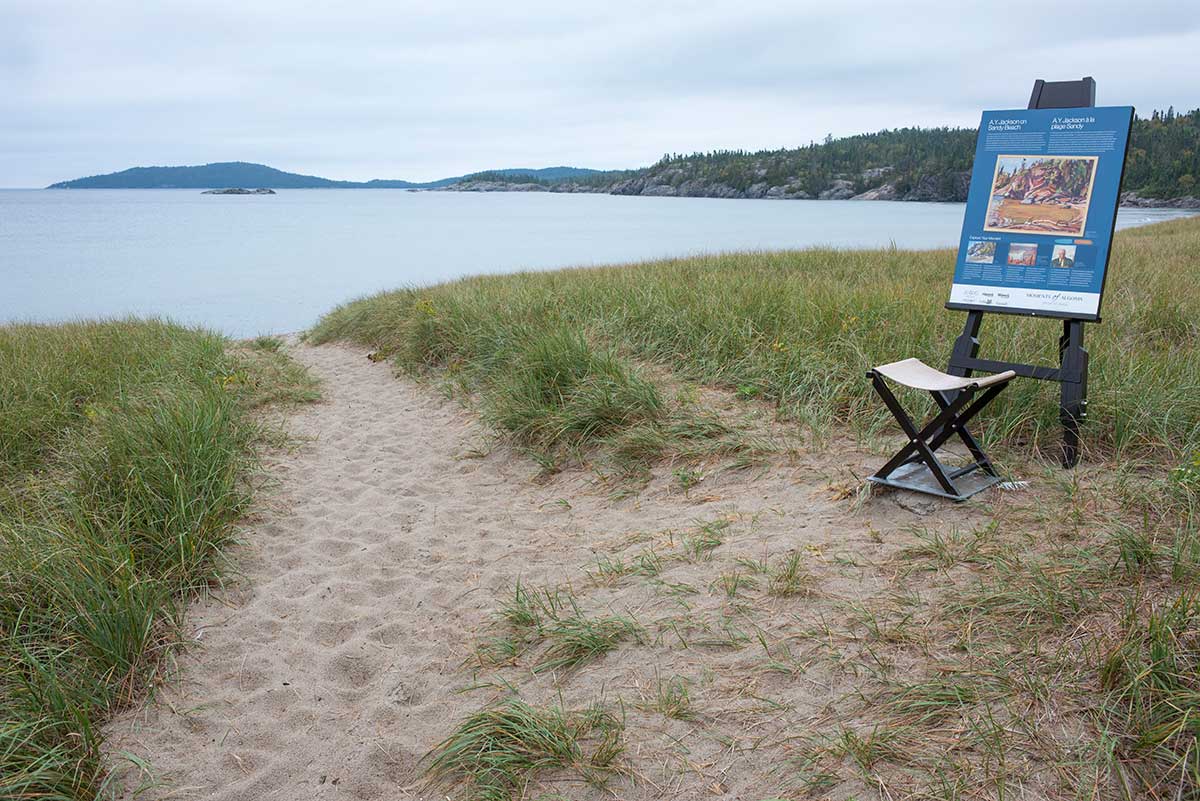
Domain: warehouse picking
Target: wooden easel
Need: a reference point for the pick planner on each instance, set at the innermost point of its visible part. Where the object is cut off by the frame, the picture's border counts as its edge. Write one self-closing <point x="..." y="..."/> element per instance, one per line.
<point x="1072" y="356"/>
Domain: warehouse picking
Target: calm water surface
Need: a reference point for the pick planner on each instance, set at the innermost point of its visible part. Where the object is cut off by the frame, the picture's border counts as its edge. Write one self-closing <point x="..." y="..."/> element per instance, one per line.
<point x="250" y="265"/>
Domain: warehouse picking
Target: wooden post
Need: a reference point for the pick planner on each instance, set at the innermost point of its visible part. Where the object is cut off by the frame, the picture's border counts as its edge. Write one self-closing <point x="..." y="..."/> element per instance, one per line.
<point x="1072" y="409"/>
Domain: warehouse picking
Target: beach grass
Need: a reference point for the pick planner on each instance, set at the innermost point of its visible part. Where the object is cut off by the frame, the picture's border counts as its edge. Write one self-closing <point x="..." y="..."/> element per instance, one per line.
<point x="127" y="450"/>
<point x="557" y="356"/>
<point x="497" y="751"/>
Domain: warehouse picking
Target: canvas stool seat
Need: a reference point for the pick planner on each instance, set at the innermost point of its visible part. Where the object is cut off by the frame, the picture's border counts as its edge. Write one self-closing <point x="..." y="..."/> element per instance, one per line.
<point x="959" y="399"/>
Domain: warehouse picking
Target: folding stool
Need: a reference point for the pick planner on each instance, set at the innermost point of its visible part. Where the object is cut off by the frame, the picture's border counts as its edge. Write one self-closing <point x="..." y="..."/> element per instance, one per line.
<point x="916" y="466"/>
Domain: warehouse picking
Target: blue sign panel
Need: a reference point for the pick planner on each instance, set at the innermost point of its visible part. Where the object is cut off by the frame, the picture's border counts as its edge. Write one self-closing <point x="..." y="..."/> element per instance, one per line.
<point x="1041" y="210"/>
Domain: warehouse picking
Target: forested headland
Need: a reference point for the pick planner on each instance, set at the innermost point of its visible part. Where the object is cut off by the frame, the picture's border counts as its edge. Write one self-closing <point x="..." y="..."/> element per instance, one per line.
<point x="898" y="164"/>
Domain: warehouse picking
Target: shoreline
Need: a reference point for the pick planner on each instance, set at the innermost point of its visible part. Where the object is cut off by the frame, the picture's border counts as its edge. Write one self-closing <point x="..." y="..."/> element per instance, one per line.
<point x="1133" y="202"/>
<point x="1129" y="199"/>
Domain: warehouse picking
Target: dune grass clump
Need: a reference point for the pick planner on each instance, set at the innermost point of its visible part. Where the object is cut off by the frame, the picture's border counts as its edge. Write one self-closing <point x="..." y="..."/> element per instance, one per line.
<point x="125" y="453"/>
<point x="544" y="383"/>
<point x="790" y="578"/>
<point x="705" y="538"/>
<point x="552" y="615"/>
<point x="557" y="389"/>
<point x="672" y="698"/>
<point x="525" y="610"/>
<point x="576" y="638"/>
<point x="498" y="751"/>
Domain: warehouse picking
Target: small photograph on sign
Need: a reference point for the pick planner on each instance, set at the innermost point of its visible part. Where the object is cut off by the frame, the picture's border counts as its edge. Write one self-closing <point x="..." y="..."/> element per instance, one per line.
<point x="1041" y="194"/>
<point x="1022" y="253"/>
<point x="1064" y="256"/>
<point x="981" y="252"/>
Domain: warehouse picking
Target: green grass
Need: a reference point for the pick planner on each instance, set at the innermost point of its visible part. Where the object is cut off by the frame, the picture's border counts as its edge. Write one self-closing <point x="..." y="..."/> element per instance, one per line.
<point x="268" y="344"/>
<point x="554" y="387"/>
<point x="572" y="637"/>
<point x="577" y="638"/>
<point x="555" y="353"/>
<point x="525" y="610"/>
<point x="1153" y="677"/>
<point x="672" y="698"/>
<point x="497" y="751"/>
<point x="705" y="538"/>
<point x="125" y="453"/>
<point x="790" y="577"/>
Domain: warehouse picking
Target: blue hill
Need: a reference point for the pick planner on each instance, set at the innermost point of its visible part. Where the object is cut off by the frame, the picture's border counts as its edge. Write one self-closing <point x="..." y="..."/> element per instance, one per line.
<point x="244" y="174"/>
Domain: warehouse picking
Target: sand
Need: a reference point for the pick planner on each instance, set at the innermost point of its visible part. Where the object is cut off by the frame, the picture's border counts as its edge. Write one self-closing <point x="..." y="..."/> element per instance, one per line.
<point x="343" y="650"/>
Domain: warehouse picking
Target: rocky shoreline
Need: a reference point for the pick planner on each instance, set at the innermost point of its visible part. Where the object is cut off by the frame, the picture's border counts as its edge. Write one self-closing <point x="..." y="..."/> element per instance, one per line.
<point x="951" y="188"/>
<point x="1134" y="200"/>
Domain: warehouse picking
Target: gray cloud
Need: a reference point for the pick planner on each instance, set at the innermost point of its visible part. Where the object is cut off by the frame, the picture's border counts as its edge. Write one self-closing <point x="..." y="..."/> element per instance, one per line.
<point x="419" y="91"/>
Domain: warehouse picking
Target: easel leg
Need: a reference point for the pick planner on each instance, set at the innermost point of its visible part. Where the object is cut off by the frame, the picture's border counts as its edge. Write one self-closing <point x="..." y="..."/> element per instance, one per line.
<point x="1072" y="375"/>
<point x="967" y="345"/>
<point x="1073" y="359"/>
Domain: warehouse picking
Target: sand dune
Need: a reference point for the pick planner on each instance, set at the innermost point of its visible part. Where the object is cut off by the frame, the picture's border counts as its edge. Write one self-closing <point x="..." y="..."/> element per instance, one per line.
<point x="343" y="651"/>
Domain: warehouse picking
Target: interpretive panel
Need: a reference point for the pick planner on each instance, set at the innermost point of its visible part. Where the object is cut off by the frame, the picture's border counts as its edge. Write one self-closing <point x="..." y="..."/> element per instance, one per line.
<point x="1041" y="210"/>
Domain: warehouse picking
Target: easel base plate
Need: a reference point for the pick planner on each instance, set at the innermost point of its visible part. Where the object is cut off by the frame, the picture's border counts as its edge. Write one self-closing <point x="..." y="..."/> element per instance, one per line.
<point x="917" y="477"/>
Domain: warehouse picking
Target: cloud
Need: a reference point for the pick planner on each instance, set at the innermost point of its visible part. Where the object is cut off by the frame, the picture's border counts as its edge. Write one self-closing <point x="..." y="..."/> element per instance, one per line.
<point x="421" y="91"/>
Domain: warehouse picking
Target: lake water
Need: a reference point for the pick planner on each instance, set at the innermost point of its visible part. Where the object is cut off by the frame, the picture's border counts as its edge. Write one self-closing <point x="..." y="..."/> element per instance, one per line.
<point x="250" y="265"/>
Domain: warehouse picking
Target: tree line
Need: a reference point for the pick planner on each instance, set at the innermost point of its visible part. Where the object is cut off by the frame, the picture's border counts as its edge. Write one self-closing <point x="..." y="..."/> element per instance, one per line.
<point x="1163" y="162"/>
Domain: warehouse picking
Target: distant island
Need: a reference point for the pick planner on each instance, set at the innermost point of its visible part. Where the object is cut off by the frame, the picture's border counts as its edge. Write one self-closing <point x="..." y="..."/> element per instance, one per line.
<point x="917" y="164"/>
<point x="238" y="191"/>
<point x="227" y="174"/>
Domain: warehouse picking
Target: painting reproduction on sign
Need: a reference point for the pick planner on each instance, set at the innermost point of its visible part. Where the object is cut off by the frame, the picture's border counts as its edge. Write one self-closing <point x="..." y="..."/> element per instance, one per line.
<point x="1041" y="194"/>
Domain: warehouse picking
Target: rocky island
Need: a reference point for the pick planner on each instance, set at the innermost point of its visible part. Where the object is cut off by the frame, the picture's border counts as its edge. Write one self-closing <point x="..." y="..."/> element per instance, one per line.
<point x="238" y="191"/>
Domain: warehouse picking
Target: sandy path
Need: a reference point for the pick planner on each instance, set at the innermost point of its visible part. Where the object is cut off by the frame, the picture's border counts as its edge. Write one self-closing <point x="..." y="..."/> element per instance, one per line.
<point x="337" y="661"/>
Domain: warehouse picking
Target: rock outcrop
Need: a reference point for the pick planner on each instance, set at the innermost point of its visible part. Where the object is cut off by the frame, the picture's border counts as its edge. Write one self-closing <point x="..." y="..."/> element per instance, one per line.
<point x="493" y="186"/>
<point x="1137" y="201"/>
<point x="885" y="192"/>
<point x="840" y="189"/>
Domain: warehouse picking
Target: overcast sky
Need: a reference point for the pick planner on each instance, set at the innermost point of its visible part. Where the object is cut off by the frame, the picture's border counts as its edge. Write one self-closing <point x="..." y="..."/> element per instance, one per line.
<point x="419" y="91"/>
